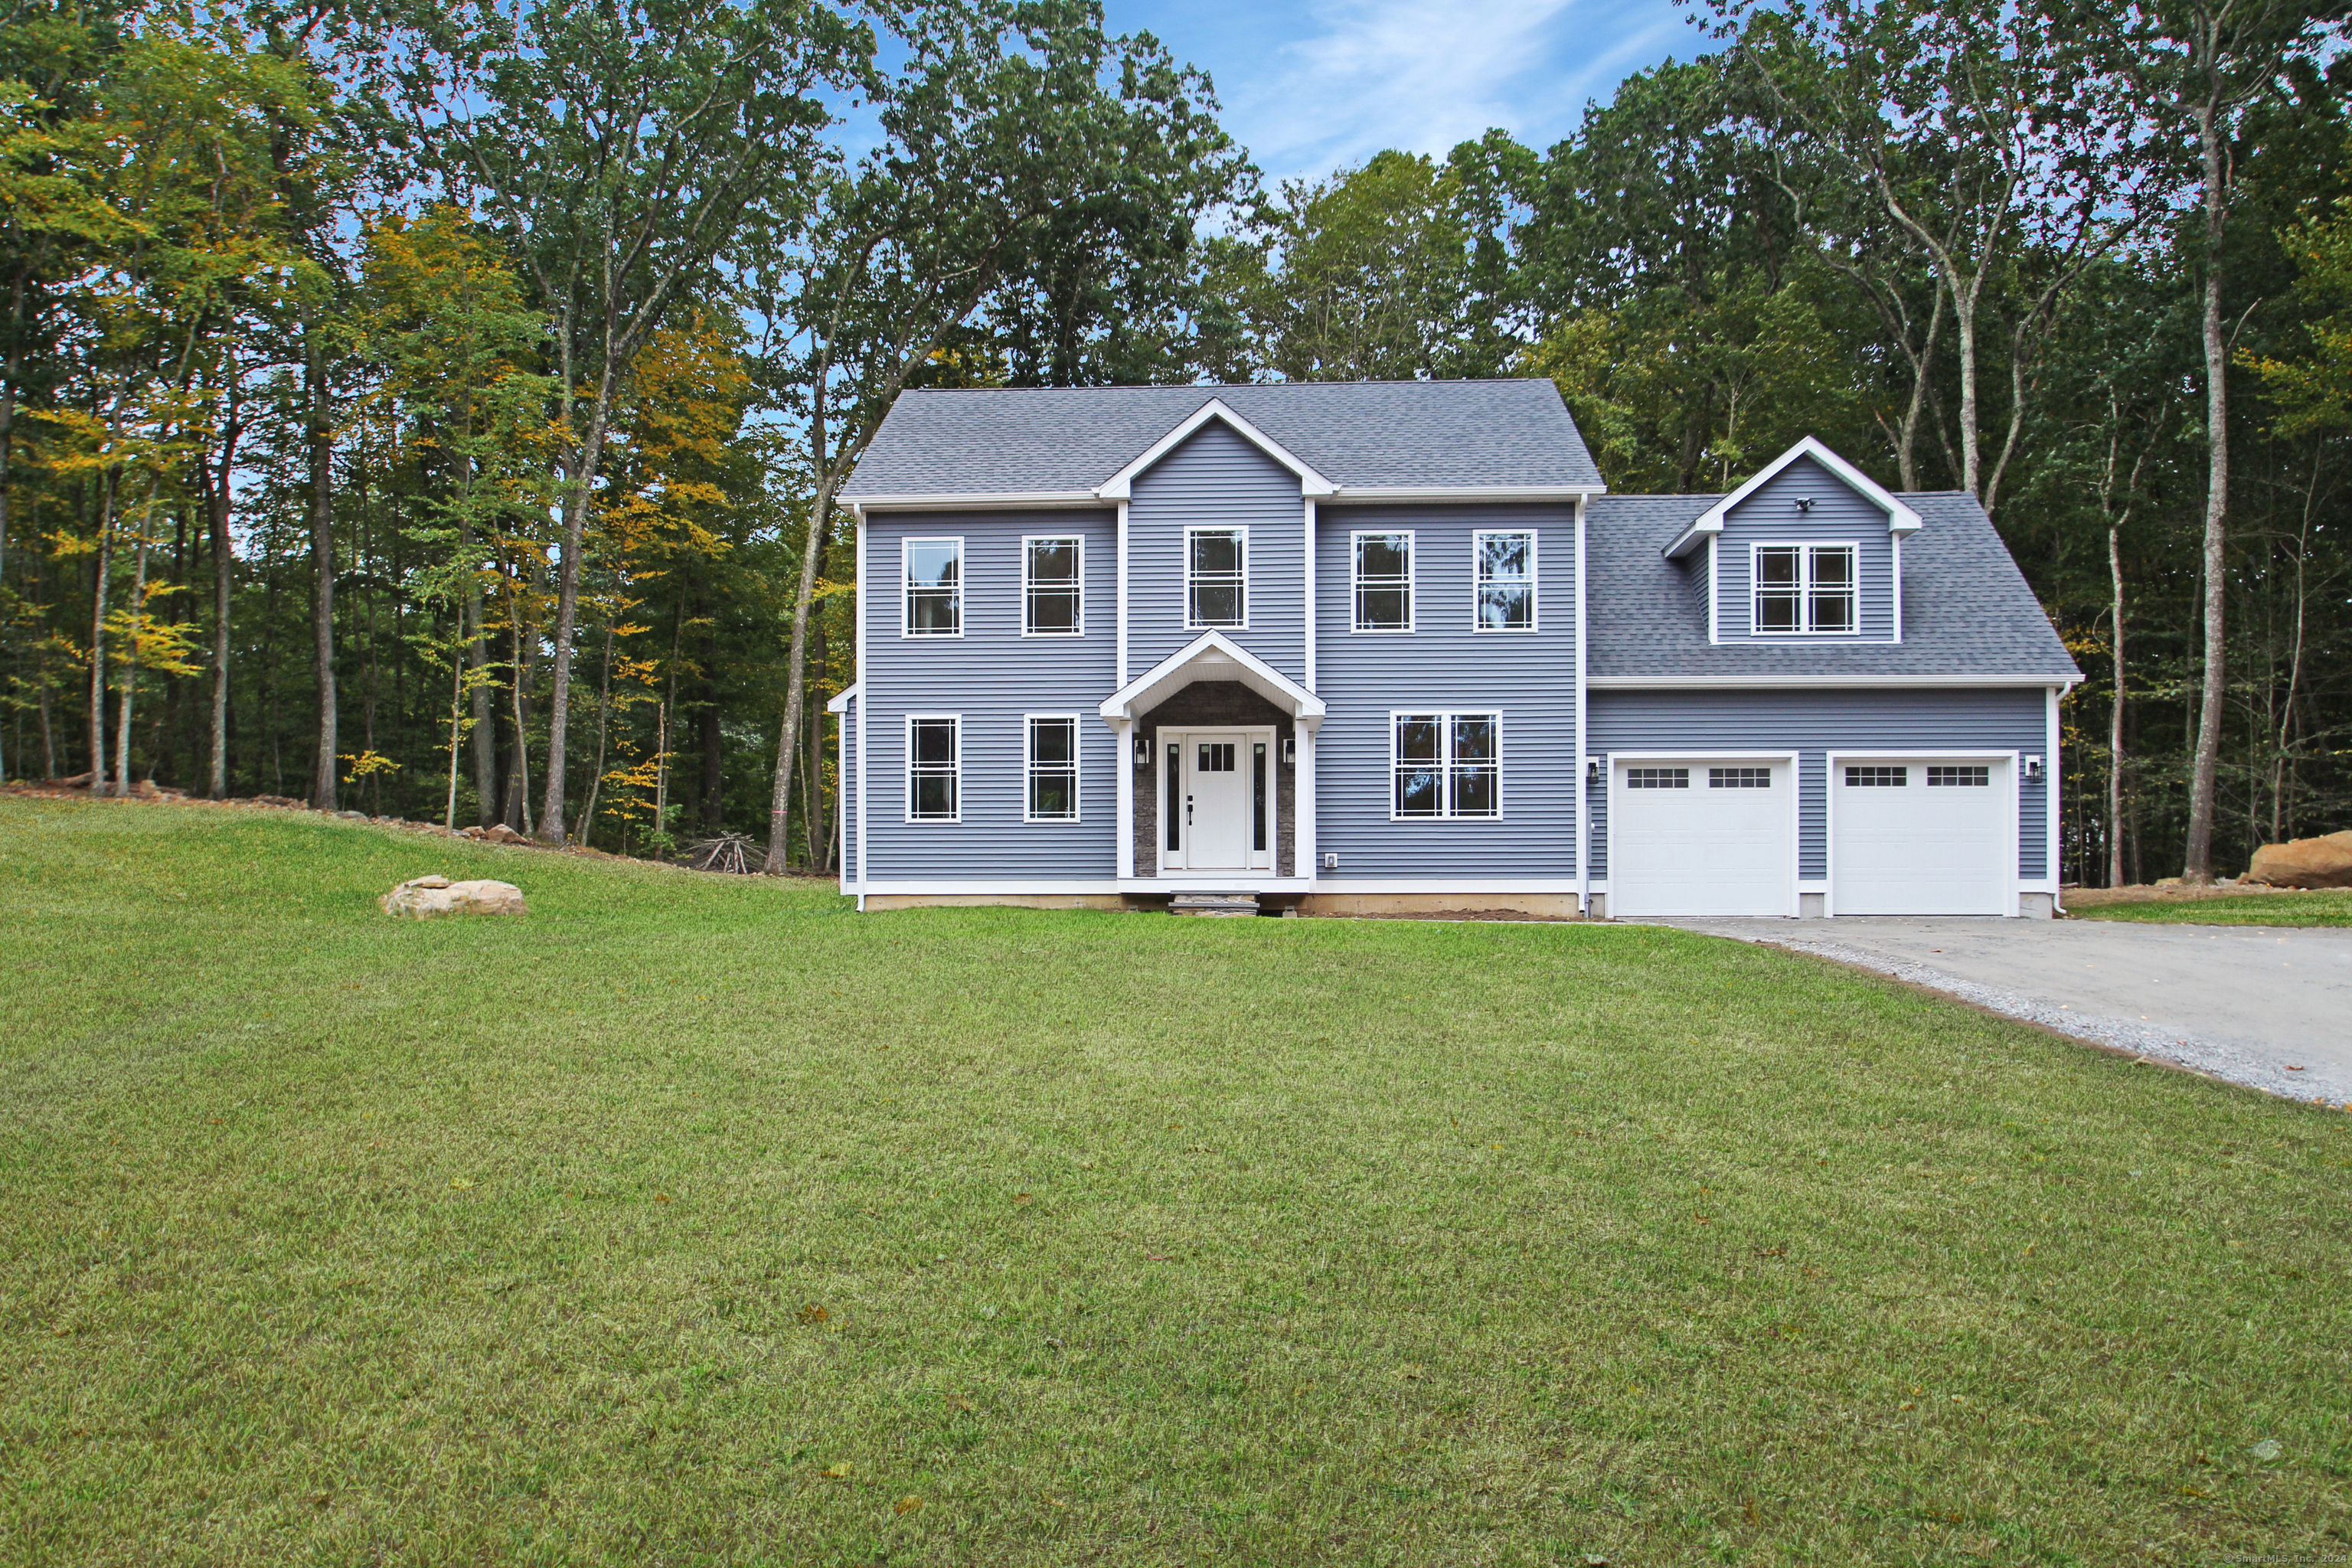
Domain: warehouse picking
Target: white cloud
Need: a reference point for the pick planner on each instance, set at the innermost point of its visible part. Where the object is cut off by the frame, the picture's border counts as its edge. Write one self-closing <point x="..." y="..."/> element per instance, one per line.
<point x="1424" y="75"/>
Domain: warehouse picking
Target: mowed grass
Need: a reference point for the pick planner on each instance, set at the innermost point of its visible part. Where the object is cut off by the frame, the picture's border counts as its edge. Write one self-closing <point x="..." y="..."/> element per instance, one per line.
<point x="690" y="1220"/>
<point x="2329" y="908"/>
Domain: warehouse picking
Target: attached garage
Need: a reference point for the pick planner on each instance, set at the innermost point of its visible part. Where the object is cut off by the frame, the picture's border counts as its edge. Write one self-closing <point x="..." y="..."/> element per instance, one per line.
<point x="1922" y="836"/>
<point x="1702" y="837"/>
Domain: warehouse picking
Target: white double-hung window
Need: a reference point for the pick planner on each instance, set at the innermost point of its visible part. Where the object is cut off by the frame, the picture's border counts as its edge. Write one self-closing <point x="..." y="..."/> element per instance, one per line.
<point x="1383" y="582"/>
<point x="1503" y="572"/>
<point x="1051" y="764"/>
<point x="934" y="767"/>
<point x="1216" y="577"/>
<point x="933" y="572"/>
<point x="1053" y="591"/>
<point x="1804" y="588"/>
<point x="1447" y="765"/>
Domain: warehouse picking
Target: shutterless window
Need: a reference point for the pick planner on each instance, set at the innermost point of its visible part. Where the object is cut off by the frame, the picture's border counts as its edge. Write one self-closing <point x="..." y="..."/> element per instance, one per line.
<point x="1504" y="567"/>
<point x="1657" y="778"/>
<point x="1804" y="588"/>
<point x="1964" y="777"/>
<point x="1053" y="769"/>
<point x="934" y="571"/>
<point x="1053" y="596"/>
<point x="1216" y="577"/>
<point x="1448" y="765"/>
<point x="1383" y="582"/>
<point x="934" y="764"/>
<point x="1877" y="778"/>
<point x="1739" y="778"/>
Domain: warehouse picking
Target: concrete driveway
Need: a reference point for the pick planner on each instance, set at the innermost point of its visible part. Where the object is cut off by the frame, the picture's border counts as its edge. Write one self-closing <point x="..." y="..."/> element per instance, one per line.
<point x="2246" y="1002"/>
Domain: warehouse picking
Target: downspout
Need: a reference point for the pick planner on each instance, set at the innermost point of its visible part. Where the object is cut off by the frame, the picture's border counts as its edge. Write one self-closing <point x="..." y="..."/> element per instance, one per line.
<point x="864" y="700"/>
<point x="1584" y="787"/>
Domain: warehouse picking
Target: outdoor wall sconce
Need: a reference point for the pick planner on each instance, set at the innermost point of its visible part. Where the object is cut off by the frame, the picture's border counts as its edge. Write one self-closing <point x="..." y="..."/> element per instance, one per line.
<point x="1593" y="769"/>
<point x="1289" y="750"/>
<point x="2033" y="768"/>
<point x="1143" y="751"/>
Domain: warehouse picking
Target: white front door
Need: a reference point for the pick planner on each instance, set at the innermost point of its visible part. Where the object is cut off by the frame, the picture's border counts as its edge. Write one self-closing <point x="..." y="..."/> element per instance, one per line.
<point x="1703" y="838"/>
<point x="1921" y="836"/>
<point x="1219" y="786"/>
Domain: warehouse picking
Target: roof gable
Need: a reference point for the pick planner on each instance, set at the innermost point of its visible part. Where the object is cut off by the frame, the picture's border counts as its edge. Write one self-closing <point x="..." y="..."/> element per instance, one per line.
<point x="1117" y="486"/>
<point x="1901" y="517"/>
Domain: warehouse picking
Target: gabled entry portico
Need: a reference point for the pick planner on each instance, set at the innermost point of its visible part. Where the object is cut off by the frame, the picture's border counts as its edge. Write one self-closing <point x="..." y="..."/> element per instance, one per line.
<point x="1216" y="782"/>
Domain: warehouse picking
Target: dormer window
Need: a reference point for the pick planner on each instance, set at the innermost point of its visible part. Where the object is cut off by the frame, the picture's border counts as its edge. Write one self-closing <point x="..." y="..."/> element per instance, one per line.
<point x="1804" y="588"/>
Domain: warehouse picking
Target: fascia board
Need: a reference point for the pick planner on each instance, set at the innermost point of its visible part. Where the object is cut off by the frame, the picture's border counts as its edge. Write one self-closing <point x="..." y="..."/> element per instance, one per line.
<point x="1692" y="537"/>
<point x="841" y="704"/>
<point x="974" y="500"/>
<point x="1374" y="495"/>
<point x="1813" y="682"/>
<point x="1117" y="486"/>
<point x="1900" y="517"/>
<point x="1270" y="682"/>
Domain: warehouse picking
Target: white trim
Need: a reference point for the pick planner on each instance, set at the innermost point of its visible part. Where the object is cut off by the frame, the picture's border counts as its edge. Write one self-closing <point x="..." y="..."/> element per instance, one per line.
<point x="1896" y="576"/>
<point x="1119" y="486"/>
<point x="905" y="586"/>
<point x="863" y="578"/>
<point x="1565" y="886"/>
<point x="976" y="500"/>
<point x="1352" y="494"/>
<point x="1216" y="649"/>
<point x="1077" y="774"/>
<point x="1375" y="495"/>
<point x="1535" y="577"/>
<point x="907" y="768"/>
<point x="840" y="704"/>
<point x="841" y="769"/>
<point x="1411" y="580"/>
<point x="1922" y="755"/>
<point x="1123" y="736"/>
<point x="1080" y="541"/>
<point x="1805" y="682"/>
<point x="1583" y="789"/>
<point x="1308" y="557"/>
<point x="1122" y="593"/>
<point x="1900" y="517"/>
<point x="1304" y="860"/>
<point x="1806" y="549"/>
<point x="1243" y="882"/>
<point x="1185" y="574"/>
<point x="2049" y="802"/>
<point x="1446" y="714"/>
<point x="1714" y="590"/>
<point x="1609" y="763"/>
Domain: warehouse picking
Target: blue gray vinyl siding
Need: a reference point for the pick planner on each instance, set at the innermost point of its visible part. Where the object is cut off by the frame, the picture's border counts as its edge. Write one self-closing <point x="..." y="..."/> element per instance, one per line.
<point x="1441" y="664"/>
<point x="1814" y="723"/>
<point x="991" y="677"/>
<point x="1216" y="479"/>
<point x="1838" y="516"/>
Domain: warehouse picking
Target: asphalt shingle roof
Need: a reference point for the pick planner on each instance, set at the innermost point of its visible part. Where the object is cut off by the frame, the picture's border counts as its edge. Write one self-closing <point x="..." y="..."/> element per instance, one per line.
<point x="1357" y="435"/>
<point x="1966" y="609"/>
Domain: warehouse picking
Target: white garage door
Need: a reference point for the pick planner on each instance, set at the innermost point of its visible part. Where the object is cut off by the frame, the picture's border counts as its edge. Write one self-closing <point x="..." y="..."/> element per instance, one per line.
<point x="1921" y="836"/>
<point x="1703" y="839"/>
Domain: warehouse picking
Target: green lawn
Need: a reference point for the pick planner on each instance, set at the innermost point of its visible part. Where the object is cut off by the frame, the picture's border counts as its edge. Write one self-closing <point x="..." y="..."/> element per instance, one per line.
<point x="2321" y="908"/>
<point x="691" y="1220"/>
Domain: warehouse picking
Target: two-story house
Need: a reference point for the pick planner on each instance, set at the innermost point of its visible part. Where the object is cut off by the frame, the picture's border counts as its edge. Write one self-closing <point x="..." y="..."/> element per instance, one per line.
<point x="1391" y="646"/>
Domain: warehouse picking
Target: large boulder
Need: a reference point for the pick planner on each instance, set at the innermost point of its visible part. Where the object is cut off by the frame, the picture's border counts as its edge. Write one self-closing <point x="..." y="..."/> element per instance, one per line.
<point x="422" y="895"/>
<point x="2322" y="862"/>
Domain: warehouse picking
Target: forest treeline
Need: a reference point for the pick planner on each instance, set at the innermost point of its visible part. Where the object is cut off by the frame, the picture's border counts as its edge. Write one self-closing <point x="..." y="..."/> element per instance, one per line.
<point x="437" y="412"/>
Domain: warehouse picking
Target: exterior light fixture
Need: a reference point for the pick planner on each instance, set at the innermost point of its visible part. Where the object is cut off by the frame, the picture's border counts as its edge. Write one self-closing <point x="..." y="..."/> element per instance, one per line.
<point x="1143" y="751"/>
<point x="2033" y="767"/>
<point x="1289" y="750"/>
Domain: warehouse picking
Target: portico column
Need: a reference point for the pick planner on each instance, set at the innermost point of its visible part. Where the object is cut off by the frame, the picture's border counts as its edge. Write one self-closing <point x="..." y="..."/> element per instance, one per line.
<point x="1302" y="831"/>
<point x="1123" y="737"/>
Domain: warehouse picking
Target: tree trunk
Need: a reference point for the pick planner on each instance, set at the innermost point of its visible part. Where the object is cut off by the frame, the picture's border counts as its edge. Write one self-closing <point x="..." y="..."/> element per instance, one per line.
<point x="812" y="771"/>
<point x="322" y="564"/>
<point x="2204" y="777"/>
<point x="129" y="683"/>
<point x="105" y="569"/>
<point x="2116" y="713"/>
<point x="216" y="500"/>
<point x="567" y="610"/>
<point x="796" y="685"/>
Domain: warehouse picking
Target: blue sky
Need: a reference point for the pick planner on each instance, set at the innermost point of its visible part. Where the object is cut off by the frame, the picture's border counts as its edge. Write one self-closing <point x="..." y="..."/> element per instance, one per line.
<point x="1312" y="84"/>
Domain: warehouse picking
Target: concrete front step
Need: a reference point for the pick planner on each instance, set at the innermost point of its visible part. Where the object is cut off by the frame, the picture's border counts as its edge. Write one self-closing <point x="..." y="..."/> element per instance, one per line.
<point x="1213" y="904"/>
